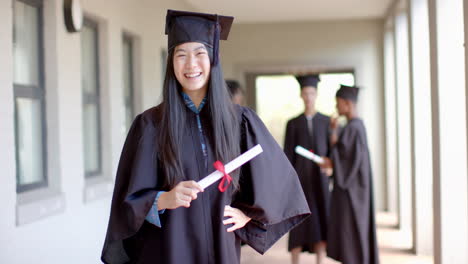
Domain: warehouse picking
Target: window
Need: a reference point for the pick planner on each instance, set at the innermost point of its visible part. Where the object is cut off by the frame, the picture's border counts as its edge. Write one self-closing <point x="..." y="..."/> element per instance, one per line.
<point x="128" y="78"/>
<point x="91" y="99"/>
<point x="29" y="96"/>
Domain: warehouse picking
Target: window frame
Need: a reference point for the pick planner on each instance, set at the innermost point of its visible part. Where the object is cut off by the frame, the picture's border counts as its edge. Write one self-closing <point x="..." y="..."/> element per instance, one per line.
<point x="33" y="92"/>
<point x="130" y="102"/>
<point x="96" y="99"/>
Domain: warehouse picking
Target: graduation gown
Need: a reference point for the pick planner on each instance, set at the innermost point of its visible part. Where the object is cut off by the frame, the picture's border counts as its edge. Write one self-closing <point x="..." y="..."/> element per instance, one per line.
<point x="313" y="181"/>
<point x="269" y="193"/>
<point x="352" y="234"/>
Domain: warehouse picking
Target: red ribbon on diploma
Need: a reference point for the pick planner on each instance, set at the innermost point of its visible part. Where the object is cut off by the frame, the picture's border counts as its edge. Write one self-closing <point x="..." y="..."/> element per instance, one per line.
<point x="219" y="166"/>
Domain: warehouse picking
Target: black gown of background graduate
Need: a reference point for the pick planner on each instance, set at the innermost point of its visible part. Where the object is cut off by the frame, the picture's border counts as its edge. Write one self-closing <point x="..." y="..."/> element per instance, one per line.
<point x="269" y="193"/>
<point x="352" y="235"/>
<point x="313" y="181"/>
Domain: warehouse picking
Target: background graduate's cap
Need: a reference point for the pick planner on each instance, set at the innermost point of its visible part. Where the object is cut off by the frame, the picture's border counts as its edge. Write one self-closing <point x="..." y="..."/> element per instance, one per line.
<point x="233" y="87"/>
<point x="348" y="92"/>
<point x="308" y="80"/>
<point x="182" y="27"/>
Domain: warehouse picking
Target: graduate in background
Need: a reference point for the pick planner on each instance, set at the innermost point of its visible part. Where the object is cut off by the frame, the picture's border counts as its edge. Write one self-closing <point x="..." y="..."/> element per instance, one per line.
<point x="351" y="234"/>
<point x="311" y="131"/>
<point x="236" y="92"/>
<point x="159" y="213"/>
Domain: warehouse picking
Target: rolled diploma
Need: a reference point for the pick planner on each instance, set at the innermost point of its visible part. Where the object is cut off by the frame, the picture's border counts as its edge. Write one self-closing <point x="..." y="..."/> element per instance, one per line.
<point x="231" y="166"/>
<point x="309" y="155"/>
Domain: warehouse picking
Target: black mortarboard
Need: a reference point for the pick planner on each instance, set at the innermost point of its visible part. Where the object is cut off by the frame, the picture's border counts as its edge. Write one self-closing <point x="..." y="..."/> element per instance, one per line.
<point x="233" y="86"/>
<point x="308" y="80"/>
<point x="182" y="27"/>
<point x="348" y="92"/>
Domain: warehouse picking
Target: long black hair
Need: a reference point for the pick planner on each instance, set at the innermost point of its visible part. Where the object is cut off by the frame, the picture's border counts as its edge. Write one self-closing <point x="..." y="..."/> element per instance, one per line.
<point x="224" y="122"/>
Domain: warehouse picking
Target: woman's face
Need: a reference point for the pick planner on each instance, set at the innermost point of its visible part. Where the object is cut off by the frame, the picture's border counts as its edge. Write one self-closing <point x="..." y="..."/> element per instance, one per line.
<point x="192" y="66"/>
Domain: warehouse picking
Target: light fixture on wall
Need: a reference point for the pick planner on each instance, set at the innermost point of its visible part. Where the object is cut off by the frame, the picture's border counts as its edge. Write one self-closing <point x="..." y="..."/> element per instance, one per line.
<point x="73" y="14"/>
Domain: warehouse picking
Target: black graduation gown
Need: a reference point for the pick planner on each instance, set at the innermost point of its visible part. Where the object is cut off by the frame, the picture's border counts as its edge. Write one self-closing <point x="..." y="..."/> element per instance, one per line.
<point x="269" y="193"/>
<point x="352" y="235"/>
<point x="313" y="181"/>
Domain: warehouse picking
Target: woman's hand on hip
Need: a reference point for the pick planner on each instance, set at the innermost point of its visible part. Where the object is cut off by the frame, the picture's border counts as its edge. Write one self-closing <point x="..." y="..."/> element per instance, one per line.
<point x="236" y="217"/>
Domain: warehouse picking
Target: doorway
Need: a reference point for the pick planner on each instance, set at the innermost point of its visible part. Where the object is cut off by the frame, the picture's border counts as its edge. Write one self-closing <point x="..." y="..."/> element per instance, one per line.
<point x="277" y="98"/>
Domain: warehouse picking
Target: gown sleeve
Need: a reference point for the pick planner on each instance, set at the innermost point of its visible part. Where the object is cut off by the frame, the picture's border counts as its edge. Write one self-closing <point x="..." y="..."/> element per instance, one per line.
<point x="347" y="156"/>
<point x="289" y="142"/>
<point x="270" y="192"/>
<point x="134" y="191"/>
<point x="153" y="214"/>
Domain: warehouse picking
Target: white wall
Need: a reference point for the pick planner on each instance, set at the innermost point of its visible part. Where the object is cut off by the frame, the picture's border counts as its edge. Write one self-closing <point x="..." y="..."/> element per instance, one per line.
<point x="74" y="233"/>
<point x="325" y="45"/>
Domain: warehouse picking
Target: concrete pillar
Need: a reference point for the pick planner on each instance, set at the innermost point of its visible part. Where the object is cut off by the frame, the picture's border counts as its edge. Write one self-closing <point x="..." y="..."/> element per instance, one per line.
<point x="403" y="122"/>
<point x="390" y="118"/>
<point x="449" y="128"/>
<point x="421" y="127"/>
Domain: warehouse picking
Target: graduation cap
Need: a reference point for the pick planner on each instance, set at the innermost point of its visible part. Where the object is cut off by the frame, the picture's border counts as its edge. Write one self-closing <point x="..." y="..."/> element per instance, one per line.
<point x="233" y="86"/>
<point x="183" y="26"/>
<point x="308" y="80"/>
<point x="348" y="92"/>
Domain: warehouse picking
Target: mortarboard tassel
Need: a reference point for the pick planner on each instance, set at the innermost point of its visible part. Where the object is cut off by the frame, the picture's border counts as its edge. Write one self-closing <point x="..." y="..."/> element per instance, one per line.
<point x="216" y="42"/>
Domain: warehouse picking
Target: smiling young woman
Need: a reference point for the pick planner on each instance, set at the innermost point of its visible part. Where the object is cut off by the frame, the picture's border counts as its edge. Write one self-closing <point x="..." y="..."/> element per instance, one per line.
<point x="192" y="69"/>
<point x="159" y="213"/>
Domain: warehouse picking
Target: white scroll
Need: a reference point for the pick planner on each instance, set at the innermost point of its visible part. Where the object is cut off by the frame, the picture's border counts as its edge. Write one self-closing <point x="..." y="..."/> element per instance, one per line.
<point x="309" y="155"/>
<point x="231" y="166"/>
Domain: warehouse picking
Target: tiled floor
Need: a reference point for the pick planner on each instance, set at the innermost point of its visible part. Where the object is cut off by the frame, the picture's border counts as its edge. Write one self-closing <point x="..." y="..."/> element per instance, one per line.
<point x="394" y="248"/>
